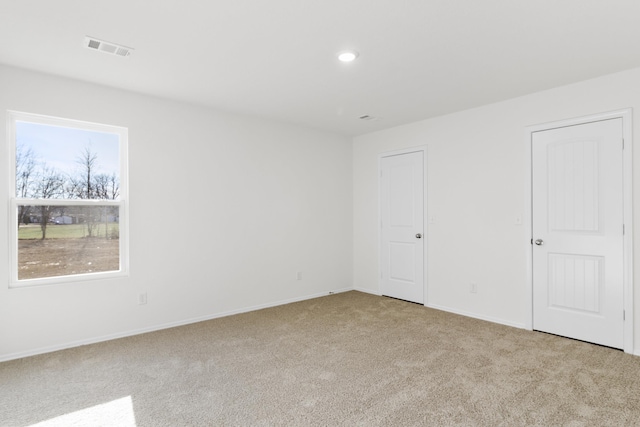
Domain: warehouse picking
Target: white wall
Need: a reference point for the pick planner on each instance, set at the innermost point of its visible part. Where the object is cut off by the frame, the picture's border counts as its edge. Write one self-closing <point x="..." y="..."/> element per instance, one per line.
<point x="257" y="201"/>
<point x="476" y="189"/>
<point x="275" y="199"/>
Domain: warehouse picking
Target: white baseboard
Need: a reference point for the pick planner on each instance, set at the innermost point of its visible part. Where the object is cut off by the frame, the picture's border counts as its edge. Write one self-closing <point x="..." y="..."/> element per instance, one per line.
<point x="456" y="311"/>
<point x="339" y="291"/>
<point x="367" y="291"/>
<point x="72" y="344"/>
<point x="478" y="316"/>
<point x="636" y="352"/>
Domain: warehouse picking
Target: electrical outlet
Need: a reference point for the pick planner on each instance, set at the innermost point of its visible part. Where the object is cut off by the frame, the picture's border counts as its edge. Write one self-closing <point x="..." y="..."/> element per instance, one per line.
<point x="142" y="298"/>
<point x="299" y="275"/>
<point x="473" y="288"/>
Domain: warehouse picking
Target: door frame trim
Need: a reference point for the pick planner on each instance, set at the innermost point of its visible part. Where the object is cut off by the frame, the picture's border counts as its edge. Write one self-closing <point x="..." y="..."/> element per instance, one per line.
<point x="423" y="149"/>
<point x="627" y="259"/>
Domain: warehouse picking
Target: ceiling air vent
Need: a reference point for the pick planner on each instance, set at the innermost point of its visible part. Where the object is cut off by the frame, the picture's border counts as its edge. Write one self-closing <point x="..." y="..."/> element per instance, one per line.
<point x="106" y="47"/>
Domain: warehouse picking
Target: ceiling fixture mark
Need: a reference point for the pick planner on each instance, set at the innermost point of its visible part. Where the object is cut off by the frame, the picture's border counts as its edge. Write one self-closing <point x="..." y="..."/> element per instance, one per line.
<point x="107" y="47"/>
<point x="367" y="117"/>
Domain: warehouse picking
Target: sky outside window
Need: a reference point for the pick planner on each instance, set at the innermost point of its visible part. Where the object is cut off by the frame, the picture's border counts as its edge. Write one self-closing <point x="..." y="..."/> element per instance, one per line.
<point x="59" y="147"/>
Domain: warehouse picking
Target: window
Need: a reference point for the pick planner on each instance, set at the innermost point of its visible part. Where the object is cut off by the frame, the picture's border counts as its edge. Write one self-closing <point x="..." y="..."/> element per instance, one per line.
<point x="69" y="189"/>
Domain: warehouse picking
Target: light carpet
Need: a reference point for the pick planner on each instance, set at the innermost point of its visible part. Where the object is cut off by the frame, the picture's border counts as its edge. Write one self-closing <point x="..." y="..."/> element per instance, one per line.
<point x="349" y="359"/>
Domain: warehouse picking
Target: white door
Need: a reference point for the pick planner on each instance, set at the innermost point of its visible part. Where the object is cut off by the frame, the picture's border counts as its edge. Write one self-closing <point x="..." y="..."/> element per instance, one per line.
<point x="578" y="232"/>
<point x="402" y="219"/>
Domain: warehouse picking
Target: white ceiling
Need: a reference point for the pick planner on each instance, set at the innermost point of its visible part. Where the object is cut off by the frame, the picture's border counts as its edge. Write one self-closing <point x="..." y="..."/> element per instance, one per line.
<point x="276" y="58"/>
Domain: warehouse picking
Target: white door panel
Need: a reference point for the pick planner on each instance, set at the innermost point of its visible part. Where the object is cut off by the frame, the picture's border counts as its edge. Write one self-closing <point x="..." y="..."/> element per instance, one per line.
<point x="577" y="219"/>
<point x="402" y="213"/>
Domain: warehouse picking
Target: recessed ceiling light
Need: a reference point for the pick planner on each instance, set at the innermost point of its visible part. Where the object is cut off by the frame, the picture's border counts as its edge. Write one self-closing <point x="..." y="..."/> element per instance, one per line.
<point x="347" y="55"/>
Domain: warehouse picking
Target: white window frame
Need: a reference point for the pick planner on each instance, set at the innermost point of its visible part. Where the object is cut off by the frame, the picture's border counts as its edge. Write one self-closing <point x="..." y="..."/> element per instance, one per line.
<point x="14" y="202"/>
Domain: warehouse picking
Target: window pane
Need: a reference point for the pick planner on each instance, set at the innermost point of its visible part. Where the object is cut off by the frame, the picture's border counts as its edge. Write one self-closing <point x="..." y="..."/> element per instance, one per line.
<point x="67" y="240"/>
<point x="56" y="162"/>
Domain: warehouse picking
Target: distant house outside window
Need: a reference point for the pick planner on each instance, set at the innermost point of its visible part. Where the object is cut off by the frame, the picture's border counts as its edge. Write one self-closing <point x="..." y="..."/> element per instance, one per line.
<point x="68" y="219"/>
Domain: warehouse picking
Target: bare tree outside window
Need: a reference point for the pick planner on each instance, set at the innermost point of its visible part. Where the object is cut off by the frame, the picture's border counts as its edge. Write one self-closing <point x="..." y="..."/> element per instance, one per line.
<point x="83" y="185"/>
<point x="25" y="166"/>
<point x="49" y="185"/>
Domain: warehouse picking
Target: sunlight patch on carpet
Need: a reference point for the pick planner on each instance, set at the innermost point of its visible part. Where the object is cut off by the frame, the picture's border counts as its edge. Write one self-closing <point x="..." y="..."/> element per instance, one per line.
<point x="117" y="413"/>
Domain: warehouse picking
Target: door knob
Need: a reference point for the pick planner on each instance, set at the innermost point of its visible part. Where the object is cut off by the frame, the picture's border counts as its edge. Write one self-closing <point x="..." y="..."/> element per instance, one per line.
<point x="418" y="236"/>
<point x="539" y="242"/>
